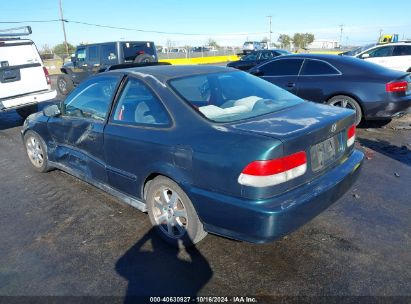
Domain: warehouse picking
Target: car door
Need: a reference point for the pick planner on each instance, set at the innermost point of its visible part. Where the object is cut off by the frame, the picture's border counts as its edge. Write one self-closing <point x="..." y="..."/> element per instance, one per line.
<point x="282" y="72"/>
<point x="401" y="58"/>
<point x="78" y="131"/>
<point x="133" y="137"/>
<point x="93" y="59"/>
<point x="381" y="55"/>
<point x="80" y="66"/>
<point x="316" y="79"/>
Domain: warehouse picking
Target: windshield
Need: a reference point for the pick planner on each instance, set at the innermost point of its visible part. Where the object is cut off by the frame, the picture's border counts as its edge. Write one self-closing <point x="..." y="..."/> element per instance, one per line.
<point x="232" y="96"/>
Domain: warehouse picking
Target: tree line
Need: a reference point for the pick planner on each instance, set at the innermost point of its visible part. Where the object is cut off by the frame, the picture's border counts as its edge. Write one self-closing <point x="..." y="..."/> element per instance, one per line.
<point x="300" y="40"/>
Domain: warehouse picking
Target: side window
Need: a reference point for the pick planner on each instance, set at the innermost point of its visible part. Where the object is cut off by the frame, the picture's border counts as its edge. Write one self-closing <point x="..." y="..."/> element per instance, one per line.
<point x="81" y="54"/>
<point x="108" y="53"/>
<point x="381" y="52"/>
<point x="266" y="55"/>
<point x="315" y="67"/>
<point x="92" y="98"/>
<point x="402" y="50"/>
<point x="93" y="54"/>
<point x="285" y="67"/>
<point x="139" y="106"/>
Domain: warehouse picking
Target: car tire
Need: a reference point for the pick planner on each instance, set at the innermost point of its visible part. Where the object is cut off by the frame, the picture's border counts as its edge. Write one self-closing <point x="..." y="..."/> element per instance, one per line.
<point x="64" y="84"/>
<point x="143" y="58"/>
<point x="26" y="111"/>
<point x="349" y="103"/>
<point x="36" y="151"/>
<point x="172" y="214"/>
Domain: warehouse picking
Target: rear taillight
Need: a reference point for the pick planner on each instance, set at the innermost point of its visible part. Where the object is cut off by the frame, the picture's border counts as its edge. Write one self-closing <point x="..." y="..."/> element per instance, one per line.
<point x="46" y="73"/>
<point x="350" y="136"/>
<point x="140" y="53"/>
<point x="263" y="173"/>
<point x="396" y="86"/>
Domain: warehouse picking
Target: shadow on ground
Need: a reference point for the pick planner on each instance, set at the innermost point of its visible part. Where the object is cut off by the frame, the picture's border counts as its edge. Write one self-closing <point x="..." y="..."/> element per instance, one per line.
<point x="161" y="269"/>
<point x="401" y="154"/>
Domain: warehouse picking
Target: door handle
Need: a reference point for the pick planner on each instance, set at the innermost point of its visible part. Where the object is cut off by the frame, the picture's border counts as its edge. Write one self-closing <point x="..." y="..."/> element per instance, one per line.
<point x="290" y="85"/>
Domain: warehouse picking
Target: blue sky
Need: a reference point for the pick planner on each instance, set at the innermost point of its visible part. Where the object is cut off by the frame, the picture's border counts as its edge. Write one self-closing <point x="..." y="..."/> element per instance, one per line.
<point x="230" y="22"/>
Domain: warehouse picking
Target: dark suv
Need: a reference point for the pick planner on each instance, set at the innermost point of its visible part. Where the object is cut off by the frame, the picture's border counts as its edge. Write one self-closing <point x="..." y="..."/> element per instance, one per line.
<point x="93" y="58"/>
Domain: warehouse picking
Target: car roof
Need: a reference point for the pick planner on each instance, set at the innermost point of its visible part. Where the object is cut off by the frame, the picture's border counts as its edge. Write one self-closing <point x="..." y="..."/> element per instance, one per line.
<point x="345" y="64"/>
<point x="165" y="72"/>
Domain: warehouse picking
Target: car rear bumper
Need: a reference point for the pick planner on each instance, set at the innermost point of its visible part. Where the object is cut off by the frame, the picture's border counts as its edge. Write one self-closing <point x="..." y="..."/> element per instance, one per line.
<point x="26" y="100"/>
<point x="387" y="109"/>
<point x="266" y="220"/>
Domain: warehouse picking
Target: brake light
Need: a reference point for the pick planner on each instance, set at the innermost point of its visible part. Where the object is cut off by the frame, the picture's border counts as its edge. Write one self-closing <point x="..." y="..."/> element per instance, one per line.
<point x="263" y="173"/>
<point x="46" y="73"/>
<point x="350" y="136"/>
<point x="140" y="53"/>
<point x="396" y="86"/>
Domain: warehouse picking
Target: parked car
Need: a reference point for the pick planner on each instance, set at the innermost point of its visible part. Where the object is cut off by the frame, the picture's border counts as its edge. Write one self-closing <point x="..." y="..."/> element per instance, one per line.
<point x="250" y="46"/>
<point x="24" y="80"/>
<point x="395" y="56"/>
<point x="254" y="58"/>
<point x="198" y="49"/>
<point x="91" y="58"/>
<point x="373" y="91"/>
<point x="200" y="149"/>
<point x="358" y="50"/>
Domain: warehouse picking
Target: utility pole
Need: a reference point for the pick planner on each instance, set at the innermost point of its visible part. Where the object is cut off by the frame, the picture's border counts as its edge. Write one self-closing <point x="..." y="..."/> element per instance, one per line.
<point x="64" y="29"/>
<point x="269" y="18"/>
<point x="380" y="34"/>
<point x="341" y="33"/>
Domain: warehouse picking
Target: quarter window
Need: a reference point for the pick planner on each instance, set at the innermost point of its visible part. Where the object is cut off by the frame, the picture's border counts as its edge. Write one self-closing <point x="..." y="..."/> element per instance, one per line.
<point x="402" y="50"/>
<point x="91" y="99"/>
<point x="138" y="105"/>
<point x="315" y="67"/>
<point x="108" y="53"/>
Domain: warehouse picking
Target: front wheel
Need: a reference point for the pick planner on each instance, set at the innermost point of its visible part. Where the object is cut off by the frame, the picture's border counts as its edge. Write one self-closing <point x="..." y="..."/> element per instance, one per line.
<point x="36" y="151"/>
<point x="172" y="213"/>
<point x="348" y="103"/>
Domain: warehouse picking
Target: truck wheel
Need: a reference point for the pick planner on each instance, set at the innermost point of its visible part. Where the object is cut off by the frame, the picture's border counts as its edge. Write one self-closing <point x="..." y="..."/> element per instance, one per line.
<point x="26" y="111"/>
<point x="143" y="58"/>
<point x="344" y="101"/>
<point x="172" y="214"/>
<point x="64" y="84"/>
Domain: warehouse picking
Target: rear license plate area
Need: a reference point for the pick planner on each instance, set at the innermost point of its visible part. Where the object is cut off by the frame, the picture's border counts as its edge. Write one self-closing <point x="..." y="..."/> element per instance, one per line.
<point x="326" y="152"/>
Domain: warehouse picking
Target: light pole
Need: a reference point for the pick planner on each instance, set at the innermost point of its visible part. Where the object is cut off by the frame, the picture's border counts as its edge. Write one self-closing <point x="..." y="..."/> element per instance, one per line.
<point x="341" y="33"/>
<point x="269" y="18"/>
<point x="64" y="29"/>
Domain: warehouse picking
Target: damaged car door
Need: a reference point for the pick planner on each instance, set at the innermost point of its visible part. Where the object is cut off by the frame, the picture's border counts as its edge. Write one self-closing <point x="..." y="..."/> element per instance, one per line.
<point x="78" y="131"/>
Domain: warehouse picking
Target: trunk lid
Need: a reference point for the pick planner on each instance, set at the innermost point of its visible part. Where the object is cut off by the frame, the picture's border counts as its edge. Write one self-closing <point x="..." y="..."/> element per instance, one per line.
<point x="318" y="130"/>
<point x="21" y="69"/>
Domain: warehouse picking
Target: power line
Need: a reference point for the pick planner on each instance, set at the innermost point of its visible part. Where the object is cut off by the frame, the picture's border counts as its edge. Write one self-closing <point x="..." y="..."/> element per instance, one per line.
<point x="132" y="29"/>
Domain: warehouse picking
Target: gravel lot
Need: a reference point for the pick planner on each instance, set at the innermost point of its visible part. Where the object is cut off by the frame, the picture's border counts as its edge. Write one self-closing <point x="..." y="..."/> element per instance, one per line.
<point x="61" y="236"/>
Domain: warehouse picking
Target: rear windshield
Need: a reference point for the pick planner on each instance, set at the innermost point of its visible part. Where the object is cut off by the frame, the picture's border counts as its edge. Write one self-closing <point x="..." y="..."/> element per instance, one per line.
<point x="232" y="96"/>
<point x="133" y="49"/>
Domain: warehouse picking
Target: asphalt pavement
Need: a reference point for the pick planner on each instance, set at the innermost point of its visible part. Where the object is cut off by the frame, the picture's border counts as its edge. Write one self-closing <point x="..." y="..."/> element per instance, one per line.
<point x="61" y="236"/>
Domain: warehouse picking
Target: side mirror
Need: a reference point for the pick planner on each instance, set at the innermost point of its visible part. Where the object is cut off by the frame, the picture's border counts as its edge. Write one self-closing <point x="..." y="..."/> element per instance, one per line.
<point x="256" y="72"/>
<point x="52" y="111"/>
<point x="364" y="56"/>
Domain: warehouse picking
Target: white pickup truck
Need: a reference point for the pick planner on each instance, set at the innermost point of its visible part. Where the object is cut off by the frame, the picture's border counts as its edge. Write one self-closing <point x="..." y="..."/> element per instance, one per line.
<point x="24" y="81"/>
